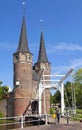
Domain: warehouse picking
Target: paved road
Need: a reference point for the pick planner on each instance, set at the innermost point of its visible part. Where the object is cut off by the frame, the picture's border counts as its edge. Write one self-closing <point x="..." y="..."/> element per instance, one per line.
<point x="52" y="126"/>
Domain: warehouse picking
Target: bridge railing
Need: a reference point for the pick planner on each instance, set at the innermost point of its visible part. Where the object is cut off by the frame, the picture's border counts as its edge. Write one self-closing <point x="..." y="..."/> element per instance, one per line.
<point x="20" y="121"/>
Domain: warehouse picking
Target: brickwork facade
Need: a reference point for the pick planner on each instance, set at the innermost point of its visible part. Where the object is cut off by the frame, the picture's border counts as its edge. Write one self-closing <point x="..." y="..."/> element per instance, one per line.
<point x="26" y="77"/>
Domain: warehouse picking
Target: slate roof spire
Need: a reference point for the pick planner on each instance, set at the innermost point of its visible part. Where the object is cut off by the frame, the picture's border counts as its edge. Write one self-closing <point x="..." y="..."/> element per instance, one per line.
<point x="23" y="42"/>
<point x="42" y="56"/>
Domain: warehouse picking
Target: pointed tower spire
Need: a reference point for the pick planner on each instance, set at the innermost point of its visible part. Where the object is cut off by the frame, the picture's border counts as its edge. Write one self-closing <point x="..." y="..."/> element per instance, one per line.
<point x="42" y="56"/>
<point x="22" y="61"/>
<point x="23" y="43"/>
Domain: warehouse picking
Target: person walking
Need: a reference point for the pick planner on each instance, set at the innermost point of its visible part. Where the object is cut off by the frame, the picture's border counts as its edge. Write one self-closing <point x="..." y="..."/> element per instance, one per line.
<point x="57" y="115"/>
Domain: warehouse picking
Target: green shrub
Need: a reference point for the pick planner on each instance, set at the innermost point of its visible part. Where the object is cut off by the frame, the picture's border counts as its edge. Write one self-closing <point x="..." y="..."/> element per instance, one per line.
<point x="51" y="110"/>
<point x="79" y="111"/>
<point x="1" y="115"/>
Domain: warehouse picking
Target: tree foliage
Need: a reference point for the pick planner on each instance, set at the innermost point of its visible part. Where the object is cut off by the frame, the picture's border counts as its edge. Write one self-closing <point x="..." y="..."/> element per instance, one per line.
<point x="78" y="85"/>
<point x="68" y="94"/>
<point x="78" y="94"/>
<point x="72" y="91"/>
<point x="3" y="91"/>
<point x="78" y="76"/>
<point x="57" y="97"/>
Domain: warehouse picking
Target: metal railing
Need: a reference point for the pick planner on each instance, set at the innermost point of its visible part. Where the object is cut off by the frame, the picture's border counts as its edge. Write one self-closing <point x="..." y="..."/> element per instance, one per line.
<point x="22" y="120"/>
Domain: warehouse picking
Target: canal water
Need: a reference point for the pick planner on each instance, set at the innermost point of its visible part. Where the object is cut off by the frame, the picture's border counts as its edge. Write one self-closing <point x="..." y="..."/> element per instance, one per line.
<point x="29" y="122"/>
<point x="7" y="127"/>
<point x="13" y="126"/>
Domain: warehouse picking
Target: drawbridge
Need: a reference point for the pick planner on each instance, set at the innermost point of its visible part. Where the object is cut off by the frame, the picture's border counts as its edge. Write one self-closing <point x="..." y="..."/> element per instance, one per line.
<point x="57" y="82"/>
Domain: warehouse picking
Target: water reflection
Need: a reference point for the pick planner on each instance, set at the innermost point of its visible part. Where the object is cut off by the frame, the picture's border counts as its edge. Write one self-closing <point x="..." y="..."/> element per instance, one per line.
<point x="29" y="121"/>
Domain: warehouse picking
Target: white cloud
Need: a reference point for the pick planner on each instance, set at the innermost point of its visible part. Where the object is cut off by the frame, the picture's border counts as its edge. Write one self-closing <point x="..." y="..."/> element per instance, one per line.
<point x="63" y="46"/>
<point x="61" y="69"/>
<point x="68" y="46"/>
<point x="10" y="89"/>
<point x="76" y="62"/>
<point x="7" y="45"/>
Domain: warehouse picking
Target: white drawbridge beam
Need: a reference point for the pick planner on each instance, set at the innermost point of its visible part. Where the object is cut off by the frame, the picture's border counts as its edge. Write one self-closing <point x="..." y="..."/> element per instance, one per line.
<point x="57" y="84"/>
<point x="66" y="75"/>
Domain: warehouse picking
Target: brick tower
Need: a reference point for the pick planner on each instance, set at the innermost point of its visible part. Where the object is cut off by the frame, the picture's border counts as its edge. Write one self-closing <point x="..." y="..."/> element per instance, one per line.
<point x="41" y="63"/>
<point x="22" y="60"/>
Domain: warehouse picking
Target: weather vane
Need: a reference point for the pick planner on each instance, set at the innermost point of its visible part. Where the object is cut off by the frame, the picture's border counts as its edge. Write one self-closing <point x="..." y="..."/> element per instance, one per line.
<point x="41" y="23"/>
<point x="23" y="3"/>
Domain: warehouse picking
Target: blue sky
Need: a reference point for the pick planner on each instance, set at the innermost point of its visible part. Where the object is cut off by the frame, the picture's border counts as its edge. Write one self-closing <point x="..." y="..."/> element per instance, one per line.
<point x="62" y="26"/>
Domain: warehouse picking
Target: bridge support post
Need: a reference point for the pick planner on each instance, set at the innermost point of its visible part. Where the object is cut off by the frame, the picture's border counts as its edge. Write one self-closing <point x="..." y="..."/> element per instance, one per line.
<point x="46" y="119"/>
<point x="21" y="121"/>
<point x="39" y="98"/>
<point x="62" y="99"/>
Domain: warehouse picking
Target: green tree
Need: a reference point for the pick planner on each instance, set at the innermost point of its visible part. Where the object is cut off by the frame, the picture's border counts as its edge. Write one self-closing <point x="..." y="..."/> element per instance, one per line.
<point x="51" y="99"/>
<point x="68" y="93"/>
<point x="72" y="91"/>
<point x="57" y="97"/>
<point x="3" y="91"/>
<point x="78" y="76"/>
<point x="78" y="85"/>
